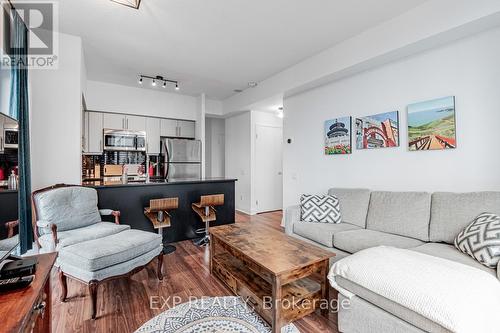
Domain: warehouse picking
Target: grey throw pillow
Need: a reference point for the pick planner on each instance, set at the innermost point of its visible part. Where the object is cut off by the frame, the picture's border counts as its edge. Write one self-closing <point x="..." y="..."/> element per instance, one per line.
<point x="320" y="208"/>
<point x="481" y="239"/>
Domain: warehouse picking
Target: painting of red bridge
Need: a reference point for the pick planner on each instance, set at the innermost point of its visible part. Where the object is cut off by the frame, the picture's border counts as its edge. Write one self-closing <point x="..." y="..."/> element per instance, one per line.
<point x="378" y="131"/>
<point x="431" y="125"/>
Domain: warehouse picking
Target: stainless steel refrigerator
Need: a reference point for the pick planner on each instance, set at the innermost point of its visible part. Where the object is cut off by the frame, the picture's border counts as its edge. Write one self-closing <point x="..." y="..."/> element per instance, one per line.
<point x="181" y="159"/>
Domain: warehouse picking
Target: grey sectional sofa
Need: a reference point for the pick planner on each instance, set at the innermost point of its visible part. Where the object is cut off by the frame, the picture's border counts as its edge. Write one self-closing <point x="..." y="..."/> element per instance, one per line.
<point x="420" y="221"/>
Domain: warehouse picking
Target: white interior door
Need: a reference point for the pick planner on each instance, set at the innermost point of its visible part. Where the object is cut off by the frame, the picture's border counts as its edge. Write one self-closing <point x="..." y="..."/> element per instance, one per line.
<point x="269" y="168"/>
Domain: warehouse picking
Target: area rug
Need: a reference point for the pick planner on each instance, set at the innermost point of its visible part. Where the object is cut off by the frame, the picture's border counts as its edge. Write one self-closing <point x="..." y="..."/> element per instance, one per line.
<point x="211" y="315"/>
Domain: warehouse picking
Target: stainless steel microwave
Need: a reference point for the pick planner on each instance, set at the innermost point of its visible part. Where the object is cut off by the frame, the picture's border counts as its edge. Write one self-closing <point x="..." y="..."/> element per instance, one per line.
<point x="11" y="137"/>
<point x="120" y="140"/>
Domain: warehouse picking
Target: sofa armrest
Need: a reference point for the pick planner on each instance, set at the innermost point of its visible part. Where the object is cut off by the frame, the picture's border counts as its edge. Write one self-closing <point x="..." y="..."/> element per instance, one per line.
<point x="107" y="212"/>
<point x="291" y="216"/>
<point x="51" y="226"/>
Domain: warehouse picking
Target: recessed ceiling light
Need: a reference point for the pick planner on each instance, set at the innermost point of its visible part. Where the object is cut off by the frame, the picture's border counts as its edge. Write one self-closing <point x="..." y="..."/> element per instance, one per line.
<point x="129" y="3"/>
<point x="252" y="84"/>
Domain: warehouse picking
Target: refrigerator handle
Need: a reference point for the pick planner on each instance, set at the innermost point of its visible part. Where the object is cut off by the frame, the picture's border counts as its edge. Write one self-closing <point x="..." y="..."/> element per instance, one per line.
<point x="167" y="161"/>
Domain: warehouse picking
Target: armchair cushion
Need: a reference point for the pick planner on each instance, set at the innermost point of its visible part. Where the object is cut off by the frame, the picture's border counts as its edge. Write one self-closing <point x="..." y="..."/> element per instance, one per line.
<point x="70" y="237"/>
<point x="67" y="207"/>
<point x="105" y="252"/>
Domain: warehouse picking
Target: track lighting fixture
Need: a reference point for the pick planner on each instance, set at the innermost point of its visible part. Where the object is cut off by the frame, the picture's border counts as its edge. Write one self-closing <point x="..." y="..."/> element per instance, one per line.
<point x="155" y="79"/>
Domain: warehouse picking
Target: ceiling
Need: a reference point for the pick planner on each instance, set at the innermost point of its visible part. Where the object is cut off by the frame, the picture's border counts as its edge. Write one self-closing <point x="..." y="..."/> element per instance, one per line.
<point x="214" y="46"/>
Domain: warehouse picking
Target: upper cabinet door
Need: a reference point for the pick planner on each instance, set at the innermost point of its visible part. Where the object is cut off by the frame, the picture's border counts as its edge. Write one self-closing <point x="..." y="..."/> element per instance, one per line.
<point x="95" y="133"/>
<point x="135" y="123"/>
<point x="169" y="128"/>
<point x="186" y="129"/>
<point x="153" y="136"/>
<point x="115" y="121"/>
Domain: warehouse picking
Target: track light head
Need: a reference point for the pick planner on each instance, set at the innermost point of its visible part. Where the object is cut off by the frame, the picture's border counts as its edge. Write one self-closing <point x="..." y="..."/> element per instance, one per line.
<point x="164" y="84"/>
<point x="153" y="83"/>
<point x="177" y="86"/>
<point x="140" y="80"/>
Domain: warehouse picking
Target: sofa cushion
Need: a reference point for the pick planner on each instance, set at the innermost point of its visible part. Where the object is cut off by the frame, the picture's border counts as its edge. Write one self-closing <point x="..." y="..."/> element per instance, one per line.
<point x="320" y="208"/>
<point x="449" y="252"/>
<point x="353" y="204"/>
<point x="452" y="212"/>
<point x="67" y="207"/>
<point x="104" y="252"/>
<point x="356" y="240"/>
<point x="400" y="213"/>
<point x="70" y="237"/>
<point x="391" y="307"/>
<point x="322" y="233"/>
<point x="481" y="240"/>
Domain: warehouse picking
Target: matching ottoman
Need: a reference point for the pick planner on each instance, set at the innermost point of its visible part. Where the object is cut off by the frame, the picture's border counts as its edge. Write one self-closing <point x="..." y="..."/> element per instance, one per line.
<point x="118" y="255"/>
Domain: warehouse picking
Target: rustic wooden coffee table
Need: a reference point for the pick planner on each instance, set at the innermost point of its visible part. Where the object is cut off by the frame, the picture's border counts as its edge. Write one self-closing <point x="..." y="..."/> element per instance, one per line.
<point x="281" y="277"/>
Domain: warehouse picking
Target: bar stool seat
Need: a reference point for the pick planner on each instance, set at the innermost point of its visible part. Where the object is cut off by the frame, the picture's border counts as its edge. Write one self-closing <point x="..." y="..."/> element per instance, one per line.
<point x="159" y="207"/>
<point x="207" y="213"/>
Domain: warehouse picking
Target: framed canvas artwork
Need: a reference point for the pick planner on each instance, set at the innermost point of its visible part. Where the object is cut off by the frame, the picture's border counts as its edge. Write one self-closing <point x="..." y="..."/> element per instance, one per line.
<point x="338" y="136"/>
<point x="378" y="131"/>
<point x="431" y="125"/>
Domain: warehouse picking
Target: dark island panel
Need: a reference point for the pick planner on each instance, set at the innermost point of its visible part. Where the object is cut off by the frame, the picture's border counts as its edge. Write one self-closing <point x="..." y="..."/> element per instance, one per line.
<point x="8" y="209"/>
<point x="132" y="199"/>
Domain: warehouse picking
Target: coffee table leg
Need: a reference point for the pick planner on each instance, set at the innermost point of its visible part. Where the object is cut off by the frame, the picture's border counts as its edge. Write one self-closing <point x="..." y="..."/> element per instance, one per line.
<point x="325" y="287"/>
<point x="277" y="309"/>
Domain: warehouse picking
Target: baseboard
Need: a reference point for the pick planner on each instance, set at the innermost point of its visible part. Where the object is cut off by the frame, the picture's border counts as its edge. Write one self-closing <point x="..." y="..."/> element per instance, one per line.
<point x="244" y="211"/>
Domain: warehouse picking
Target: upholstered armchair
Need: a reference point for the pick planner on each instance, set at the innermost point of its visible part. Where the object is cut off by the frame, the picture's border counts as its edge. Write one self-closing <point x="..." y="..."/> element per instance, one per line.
<point x="67" y="220"/>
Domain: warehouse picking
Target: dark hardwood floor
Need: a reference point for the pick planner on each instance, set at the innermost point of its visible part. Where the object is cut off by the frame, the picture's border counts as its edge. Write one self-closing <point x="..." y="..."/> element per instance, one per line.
<point x="125" y="304"/>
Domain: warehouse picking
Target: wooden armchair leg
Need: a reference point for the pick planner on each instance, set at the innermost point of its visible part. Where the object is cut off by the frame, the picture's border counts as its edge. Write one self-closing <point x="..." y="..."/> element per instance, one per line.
<point x="64" y="285"/>
<point x="93" y="297"/>
<point x="160" y="265"/>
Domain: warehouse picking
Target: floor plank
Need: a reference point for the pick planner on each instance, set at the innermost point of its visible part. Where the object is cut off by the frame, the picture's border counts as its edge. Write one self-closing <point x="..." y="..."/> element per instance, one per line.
<point x="125" y="304"/>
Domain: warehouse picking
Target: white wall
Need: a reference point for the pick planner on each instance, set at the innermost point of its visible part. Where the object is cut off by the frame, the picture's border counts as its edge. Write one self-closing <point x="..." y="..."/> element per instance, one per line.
<point x="55" y="110"/>
<point x="468" y="69"/>
<point x="238" y="158"/>
<point x="109" y="97"/>
<point x="214" y="144"/>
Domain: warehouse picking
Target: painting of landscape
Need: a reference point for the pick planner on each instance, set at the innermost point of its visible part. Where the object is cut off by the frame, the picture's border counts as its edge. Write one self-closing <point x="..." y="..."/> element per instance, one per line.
<point x="378" y="131"/>
<point x="431" y="125"/>
<point x="338" y="136"/>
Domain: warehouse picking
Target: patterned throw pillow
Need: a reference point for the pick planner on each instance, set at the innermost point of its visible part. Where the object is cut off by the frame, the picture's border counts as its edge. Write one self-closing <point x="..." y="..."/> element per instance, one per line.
<point x="481" y="239"/>
<point x="320" y="208"/>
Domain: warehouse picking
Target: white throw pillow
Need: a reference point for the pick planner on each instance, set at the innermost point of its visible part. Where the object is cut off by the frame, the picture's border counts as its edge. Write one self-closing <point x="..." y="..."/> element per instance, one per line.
<point x="320" y="208"/>
<point x="481" y="239"/>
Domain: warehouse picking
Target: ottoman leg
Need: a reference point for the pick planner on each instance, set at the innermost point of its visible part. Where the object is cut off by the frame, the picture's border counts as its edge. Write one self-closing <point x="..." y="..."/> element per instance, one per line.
<point x="160" y="265"/>
<point x="64" y="285"/>
<point x="93" y="296"/>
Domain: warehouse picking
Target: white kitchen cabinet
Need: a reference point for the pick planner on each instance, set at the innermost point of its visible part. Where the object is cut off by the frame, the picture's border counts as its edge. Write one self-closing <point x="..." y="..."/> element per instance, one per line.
<point x="135" y="123"/>
<point x="169" y="127"/>
<point x="153" y="133"/>
<point x="114" y="121"/>
<point x="186" y="129"/>
<point x="94" y="133"/>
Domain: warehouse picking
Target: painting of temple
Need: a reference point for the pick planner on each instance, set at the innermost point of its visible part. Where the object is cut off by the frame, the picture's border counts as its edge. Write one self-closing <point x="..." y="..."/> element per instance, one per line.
<point x="338" y="136"/>
<point x="378" y="131"/>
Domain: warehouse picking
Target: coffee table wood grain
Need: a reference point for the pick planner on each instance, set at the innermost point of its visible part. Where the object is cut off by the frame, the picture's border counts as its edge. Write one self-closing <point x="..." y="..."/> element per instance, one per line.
<point x="283" y="278"/>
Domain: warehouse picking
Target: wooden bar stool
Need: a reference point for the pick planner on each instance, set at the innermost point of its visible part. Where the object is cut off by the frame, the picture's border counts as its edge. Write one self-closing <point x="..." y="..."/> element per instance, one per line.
<point x="158" y="214"/>
<point x="206" y="211"/>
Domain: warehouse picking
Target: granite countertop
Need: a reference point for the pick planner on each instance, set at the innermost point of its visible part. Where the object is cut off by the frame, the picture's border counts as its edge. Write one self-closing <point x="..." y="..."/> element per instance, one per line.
<point x="100" y="183"/>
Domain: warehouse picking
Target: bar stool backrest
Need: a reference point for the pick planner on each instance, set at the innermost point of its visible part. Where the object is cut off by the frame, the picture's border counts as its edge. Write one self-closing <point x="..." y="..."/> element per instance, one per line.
<point x="212" y="200"/>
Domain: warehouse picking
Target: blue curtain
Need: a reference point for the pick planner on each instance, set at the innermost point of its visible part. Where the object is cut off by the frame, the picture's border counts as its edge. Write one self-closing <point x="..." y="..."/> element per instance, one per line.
<point x="19" y="109"/>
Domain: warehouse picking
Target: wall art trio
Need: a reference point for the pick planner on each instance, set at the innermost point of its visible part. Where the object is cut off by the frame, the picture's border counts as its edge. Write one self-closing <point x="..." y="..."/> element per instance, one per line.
<point x="431" y="126"/>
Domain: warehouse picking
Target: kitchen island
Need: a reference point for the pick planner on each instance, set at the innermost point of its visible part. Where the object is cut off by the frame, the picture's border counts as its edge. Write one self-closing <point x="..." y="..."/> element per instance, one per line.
<point x="131" y="199"/>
